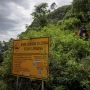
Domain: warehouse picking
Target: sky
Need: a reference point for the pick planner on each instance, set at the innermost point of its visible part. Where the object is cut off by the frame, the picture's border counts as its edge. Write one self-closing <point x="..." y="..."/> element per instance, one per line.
<point x="16" y="14"/>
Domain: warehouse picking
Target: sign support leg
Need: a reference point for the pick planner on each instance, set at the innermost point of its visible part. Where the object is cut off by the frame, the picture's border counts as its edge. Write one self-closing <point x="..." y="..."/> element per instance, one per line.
<point x="19" y="86"/>
<point x="30" y="85"/>
<point x="42" y="85"/>
<point x="17" y="82"/>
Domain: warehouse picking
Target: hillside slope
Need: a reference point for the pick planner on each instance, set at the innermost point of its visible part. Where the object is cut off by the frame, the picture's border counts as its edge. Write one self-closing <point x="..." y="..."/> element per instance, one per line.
<point x="69" y="55"/>
<point x="69" y="58"/>
<point x="54" y="16"/>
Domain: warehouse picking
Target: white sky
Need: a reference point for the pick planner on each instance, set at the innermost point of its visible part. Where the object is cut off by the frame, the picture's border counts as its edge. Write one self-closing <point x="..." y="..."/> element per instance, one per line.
<point x="15" y="14"/>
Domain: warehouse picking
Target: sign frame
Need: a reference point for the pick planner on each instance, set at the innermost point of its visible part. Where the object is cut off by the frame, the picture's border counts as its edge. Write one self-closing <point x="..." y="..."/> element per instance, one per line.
<point x="30" y="77"/>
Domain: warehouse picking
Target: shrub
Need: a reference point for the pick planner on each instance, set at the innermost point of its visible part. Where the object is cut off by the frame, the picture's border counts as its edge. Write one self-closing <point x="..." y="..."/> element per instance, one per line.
<point x="70" y="23"/>
<point x="2" y="85"/>
<point x="65" y="56"/>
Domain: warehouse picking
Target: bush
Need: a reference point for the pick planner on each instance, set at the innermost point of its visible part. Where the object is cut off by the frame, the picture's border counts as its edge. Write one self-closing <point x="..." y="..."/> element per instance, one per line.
<point x="65" y="56"/>
<point x="69" y="23"/>
<point x="88" y="26"/>
<point x="2" y="85"/>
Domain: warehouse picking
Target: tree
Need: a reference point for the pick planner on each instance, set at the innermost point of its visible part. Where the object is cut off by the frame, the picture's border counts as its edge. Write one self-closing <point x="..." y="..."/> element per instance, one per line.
<point x="53" y="6"/>
<point x="81" y="7"/>
<point x="40" y="14"/>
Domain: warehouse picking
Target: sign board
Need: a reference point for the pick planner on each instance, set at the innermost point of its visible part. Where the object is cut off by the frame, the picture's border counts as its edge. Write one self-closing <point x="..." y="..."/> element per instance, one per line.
<point x="30" y="58"/>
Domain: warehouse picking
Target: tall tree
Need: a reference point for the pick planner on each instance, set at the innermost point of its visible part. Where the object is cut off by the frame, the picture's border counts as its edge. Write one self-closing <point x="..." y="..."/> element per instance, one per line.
<point x="53" y="6"/>
<point x="81" y="6"/>
<point x="40" y="14"/>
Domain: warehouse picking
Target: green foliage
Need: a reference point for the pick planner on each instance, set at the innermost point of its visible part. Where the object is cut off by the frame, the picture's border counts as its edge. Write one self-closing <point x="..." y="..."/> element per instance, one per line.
<point x="58" y="14"/>
<point x="69" y="56"/>
<point x="69" y="14"/>
<point x="2" y="85"/>
<point x="69" y="23"/>
<point x="88" y="26"/>
<point x="65" y="56"/>
<point x="5" y="66"/>
<point x="48" y="17"/>
<point x="40" y="18"/>
<point x="53" y="6"/>
<point x="81" y="6"/>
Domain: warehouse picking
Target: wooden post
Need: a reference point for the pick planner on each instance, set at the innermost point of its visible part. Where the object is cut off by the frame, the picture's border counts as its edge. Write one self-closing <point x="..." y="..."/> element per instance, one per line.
<point x="17" y="82"/>
<point x="42" y="85"/>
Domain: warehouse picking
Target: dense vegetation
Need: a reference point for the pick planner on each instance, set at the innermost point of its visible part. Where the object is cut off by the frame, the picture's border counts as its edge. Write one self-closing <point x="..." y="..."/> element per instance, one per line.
<point x="69" y="55"/>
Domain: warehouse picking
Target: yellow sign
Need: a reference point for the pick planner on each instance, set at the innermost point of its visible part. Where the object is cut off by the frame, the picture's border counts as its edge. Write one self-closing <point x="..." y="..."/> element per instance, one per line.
<point x="30" y="58"/>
